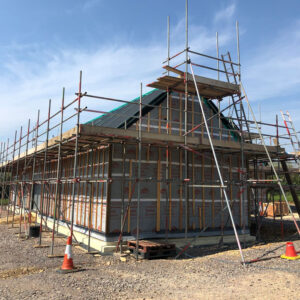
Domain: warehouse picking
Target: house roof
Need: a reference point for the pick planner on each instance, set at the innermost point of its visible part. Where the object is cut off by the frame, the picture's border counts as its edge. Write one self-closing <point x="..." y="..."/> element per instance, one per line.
<point x="127" y="113"/>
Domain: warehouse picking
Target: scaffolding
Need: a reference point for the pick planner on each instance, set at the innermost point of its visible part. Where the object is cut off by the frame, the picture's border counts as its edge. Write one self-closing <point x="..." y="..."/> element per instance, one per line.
<point x="76" y="165"/>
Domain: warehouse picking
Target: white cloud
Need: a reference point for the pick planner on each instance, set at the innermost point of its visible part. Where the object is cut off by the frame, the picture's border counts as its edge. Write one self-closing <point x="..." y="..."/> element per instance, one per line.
<point x="88" y="4"/>
<point x="225" y="14"/>
<point x="272" y="75"/>
<point x="108" y="70"/>
<point x="83" y="6"/>
<point x="273" y="70"/>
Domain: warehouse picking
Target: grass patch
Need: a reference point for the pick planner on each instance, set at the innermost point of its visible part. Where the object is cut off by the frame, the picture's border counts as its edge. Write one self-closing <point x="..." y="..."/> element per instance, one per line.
<point x="4" y="202"/>
<point x="288" y="196"/>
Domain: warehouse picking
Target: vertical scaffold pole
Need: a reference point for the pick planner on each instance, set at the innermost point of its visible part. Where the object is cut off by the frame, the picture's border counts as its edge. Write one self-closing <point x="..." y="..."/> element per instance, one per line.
<point x="168" y="41"/>
<point x="167" y="206"/>
<point x="1" y="162"/>
<point x="242" y="172"/>
<point x="238" y="48"/>
<point x="75" y="155"/>
<point x="218" y="77"/>
<point x="44" y="174"/>
<point x="3" y="175"/>
<point x="242" y="175"/>
<point x="5" y="160"/>
<point x="218" y="167"/>
<point x="17" y="178"/>
<point x="6" y="171"/>
<point x="2" y="168"/>
<point x="139" y="175"/>
<point x="2" y="165"/>
<point x="31" y="201"/>
<point x="220" y="134"/>
<point x="58" y="170"/>
<point x="1" y="156"/>
<point x="186" y="188"/>
<point x="11" y="174"/>
<point x="23" y="180"/>
<point x="278" y="168"/>
<point x="122" y="193"/>
<point x="6" y="177"/>
<point x="3" y="172"/>
<point x="91" y="197"/>
<point x="217" y="48"/>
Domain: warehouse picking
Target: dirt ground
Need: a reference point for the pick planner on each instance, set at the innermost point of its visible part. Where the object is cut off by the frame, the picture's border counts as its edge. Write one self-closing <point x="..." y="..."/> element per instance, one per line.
<point x="26" y="273"/>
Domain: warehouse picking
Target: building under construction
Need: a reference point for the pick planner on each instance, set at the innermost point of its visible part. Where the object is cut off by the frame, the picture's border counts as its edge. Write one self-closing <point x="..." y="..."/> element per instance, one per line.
<point x="175" y="162"/>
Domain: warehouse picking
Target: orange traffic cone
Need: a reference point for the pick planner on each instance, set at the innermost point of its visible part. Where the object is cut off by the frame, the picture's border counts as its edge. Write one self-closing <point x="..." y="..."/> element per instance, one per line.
<point x="290" y="252"/>
<point x="67" y="265"/>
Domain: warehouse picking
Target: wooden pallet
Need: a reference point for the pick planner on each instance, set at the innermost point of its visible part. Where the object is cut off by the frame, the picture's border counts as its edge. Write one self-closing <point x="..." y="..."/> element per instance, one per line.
<point x="274" y="211"/>
<point x="151" y="250"/>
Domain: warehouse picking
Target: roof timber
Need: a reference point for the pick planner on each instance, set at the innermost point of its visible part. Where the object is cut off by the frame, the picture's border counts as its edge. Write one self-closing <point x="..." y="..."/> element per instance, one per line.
<point x="152" y="137"/>
<point x="95" y="135"/>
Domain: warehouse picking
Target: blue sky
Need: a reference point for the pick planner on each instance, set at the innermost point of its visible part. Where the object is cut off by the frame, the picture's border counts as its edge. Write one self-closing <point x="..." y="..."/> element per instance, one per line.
<point x="118" y="44"/>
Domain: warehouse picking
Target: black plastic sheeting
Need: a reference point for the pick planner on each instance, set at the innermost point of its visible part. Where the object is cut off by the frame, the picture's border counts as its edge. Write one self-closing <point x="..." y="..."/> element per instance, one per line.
<point x="127" y="113"/>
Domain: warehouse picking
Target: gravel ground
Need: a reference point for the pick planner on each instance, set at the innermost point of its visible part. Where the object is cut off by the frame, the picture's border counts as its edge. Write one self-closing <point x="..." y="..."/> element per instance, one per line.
<point x="27" y="272"/>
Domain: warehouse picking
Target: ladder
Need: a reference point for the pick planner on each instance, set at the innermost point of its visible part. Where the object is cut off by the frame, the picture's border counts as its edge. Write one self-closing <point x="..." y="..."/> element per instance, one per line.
<point x="239" y="109"/>
<point x="292" y="134"/>
<point x="277" y="179"/>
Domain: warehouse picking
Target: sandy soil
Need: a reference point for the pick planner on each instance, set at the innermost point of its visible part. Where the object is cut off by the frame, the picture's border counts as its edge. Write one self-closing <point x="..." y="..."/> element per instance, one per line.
<point x="26" y="272"/>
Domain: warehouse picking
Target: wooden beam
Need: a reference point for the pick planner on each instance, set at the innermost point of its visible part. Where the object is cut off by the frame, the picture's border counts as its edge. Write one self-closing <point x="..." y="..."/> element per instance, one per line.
<point x="174" y="139"/>
<point x="176" y="71"/>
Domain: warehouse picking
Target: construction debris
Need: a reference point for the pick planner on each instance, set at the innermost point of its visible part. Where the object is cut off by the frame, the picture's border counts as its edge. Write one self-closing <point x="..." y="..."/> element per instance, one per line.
<point x="107" y="277"/>
<point x="13" y="273"/>
<point x="151" y="249"/>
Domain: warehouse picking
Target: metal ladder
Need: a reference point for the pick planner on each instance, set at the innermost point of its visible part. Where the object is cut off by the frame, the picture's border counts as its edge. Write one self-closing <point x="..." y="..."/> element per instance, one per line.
<point x="239" y="109"/>
<point x="277" y="179"/>
<point x="292" y="133"/>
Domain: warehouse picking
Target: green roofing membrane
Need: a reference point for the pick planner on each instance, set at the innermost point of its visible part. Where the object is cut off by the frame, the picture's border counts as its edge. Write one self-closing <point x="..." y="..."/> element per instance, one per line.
<point x="119" y="107"/>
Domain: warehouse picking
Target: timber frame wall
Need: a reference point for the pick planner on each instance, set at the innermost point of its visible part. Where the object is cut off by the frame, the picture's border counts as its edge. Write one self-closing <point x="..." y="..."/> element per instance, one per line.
<point x="107" y="176"/>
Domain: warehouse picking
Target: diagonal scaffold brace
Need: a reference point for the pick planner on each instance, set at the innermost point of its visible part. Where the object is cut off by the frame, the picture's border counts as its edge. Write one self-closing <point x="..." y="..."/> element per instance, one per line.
<point x="217" y="164"/>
